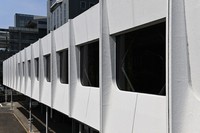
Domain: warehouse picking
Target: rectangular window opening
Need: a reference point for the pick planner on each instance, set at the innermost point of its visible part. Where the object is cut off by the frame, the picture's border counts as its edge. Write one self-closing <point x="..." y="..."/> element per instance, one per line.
<point x="29" y="68"/>
<point x="82" y="5"/>
<point x="89" y="64"/>
<point x="37" y="68"/>
<point x="62" y="61"/>
<point x="23" y="69"/>
<point x="47" y="69"/>
<point x="140" y="60"/>
<point x="19" y="69"/>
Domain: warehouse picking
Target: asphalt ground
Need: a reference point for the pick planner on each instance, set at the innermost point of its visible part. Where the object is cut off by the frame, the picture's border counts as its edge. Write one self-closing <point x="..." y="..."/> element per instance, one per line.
<point x="10" y="124"/>
<point x="15" y="120"/>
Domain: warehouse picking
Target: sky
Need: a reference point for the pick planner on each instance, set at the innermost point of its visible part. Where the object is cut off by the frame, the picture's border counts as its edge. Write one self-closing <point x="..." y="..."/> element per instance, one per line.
<point x="8" y="8"/>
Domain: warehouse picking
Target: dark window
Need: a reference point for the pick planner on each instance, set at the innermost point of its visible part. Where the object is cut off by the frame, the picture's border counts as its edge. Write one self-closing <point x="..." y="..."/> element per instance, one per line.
<point x="42" y="22"/>
<point x="65" y="13"/>
<point x="89" y="64"/>
<point x="19" y="69"/>
<point x="62" y="62"/>
<point x="83" y="5"/>
<point x="29" y="68"/>
<point x="23" y="69"/>
<point x="37" y="68"/>
<point x="140" y="60"/>
<point x="91" y="4"/>
<point x="47" y="70"/>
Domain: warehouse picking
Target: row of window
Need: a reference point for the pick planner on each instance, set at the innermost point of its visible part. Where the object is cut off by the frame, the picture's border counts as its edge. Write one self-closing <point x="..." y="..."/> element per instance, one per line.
<point x="62" y="62"/>
<point x="140" y="62"/>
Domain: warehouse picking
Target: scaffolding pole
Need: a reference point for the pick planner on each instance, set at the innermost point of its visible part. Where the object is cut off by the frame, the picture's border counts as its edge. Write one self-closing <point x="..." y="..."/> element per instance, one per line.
<point x="46" y="119"/>
<point x="11" y="99"/>
<point x="30" y="116"/>
<point x="5" y="89"/>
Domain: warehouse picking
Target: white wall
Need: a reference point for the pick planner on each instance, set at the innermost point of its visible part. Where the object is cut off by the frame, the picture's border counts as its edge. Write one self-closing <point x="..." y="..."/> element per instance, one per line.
<point x="105" y="108"/>
<point x="184" y="66"/>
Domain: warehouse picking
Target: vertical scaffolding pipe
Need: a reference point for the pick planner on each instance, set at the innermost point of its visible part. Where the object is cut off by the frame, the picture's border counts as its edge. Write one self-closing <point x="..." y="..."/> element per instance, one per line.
<point x="46" y="119"/>
<point x="51" y="113"/>
<point x="5" y="94"/>
<point x="11" y="98"/>
<point x="80" y="128"/>
<point x="30" y="116"/>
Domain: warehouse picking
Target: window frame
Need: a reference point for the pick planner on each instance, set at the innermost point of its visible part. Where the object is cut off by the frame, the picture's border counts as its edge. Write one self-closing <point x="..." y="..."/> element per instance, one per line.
<point x="47" y="67"/>
<point x="90" y="83"/>
<point x="29" y="68"/>
<point x="59" y="66"/>
<point x="163" y="88"/>
<point x="23" y="69"/>
<point x="36" y="63"/>
<point x="81" y="6"/>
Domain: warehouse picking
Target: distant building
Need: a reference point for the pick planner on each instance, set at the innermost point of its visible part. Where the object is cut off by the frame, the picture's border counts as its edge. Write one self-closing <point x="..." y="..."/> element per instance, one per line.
<point x="59" y="11"/>
<point x="4" y="38"/>
<point x="27" y="30"/>
<point x="22" y="19"/>
<point x="21" y="38"/>
<point x="4" y="44"/>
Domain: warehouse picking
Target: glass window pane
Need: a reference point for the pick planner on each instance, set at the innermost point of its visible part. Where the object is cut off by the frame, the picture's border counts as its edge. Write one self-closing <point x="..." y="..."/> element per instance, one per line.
<point x="89" y="64"/>
<point x="23" y="69"/>
<point x="62" y="62"/>
<point x="19" y="69"/>
<point x="141" y="60"/>
<point x="47" y="70"/>
<point x="29" y="68"/>
<point x="37" y="68"/>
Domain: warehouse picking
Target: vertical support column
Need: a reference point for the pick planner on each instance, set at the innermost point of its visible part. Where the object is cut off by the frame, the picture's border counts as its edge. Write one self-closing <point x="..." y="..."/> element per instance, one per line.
<point x="183" y="104"/>
<point x="46" y="119"/>
<point x="100" y="64"/>
<point x="30" y="116"/>
<point x="107" y="51"/>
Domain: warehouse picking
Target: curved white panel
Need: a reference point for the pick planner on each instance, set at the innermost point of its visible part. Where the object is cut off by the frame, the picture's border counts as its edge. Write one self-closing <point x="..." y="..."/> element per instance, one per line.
<point x="184" y="36"/>
<point x="82" y="97"/>
<point x="45" y="87"/>
<point x="35" y="82"/>
<point x="23" y="71"/>
<point x="87" y="100"/>
<point x="60" y="91"/>
<point x="88" y="22"/>
<point x="119" y="111"/>
<point x="14" y="72"/>
<point x="150" y="115"/>
<point x="28" y="72"/>
<point x="126" y="14"/>
<point x="18" y="81"/>
<point x="193" y="40"/>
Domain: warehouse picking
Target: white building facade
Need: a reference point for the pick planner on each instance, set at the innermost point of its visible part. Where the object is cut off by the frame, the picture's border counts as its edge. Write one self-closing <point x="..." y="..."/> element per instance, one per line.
<point x="120" y="67"/>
